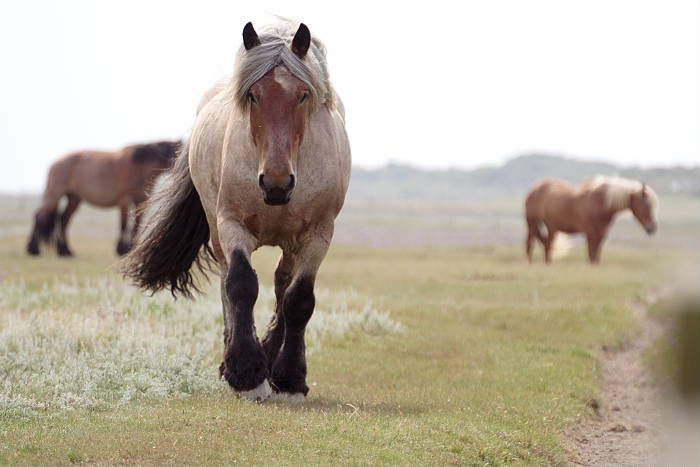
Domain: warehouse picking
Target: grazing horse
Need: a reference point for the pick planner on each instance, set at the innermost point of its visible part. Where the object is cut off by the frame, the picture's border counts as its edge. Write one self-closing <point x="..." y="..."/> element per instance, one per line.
<point x="268" y="163"/>
<point x="101" y="178"/>
<point x="589" y="208"/>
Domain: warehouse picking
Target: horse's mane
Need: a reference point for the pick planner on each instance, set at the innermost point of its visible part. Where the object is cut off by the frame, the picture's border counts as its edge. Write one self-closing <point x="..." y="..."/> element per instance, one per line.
<point x="275" y="49"/>
<point x="162" y="150"/>
<point x="618" y="190"/>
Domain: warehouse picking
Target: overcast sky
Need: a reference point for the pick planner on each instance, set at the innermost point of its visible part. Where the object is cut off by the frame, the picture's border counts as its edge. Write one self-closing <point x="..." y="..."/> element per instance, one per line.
<point x="444" y="84"/>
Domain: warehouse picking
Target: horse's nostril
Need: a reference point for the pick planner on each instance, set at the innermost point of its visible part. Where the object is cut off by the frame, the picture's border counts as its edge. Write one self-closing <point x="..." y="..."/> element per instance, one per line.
<point x="292" y="182"/>
<point x="261" y="183"/>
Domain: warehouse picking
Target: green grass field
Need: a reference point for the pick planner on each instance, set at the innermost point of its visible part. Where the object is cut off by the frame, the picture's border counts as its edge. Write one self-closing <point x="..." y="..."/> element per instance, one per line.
<point x="422" y="355"/>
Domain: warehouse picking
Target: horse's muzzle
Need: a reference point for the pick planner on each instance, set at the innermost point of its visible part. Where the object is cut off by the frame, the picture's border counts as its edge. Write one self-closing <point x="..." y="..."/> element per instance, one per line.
<point x="276" y="195"/>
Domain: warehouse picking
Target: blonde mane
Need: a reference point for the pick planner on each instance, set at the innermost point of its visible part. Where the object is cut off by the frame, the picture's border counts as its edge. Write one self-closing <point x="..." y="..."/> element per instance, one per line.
<point x="618" y="191"/>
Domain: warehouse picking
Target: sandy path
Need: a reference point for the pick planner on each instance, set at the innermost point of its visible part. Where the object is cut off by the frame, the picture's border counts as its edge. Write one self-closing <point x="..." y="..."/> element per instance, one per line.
<point x="626" y="430"/>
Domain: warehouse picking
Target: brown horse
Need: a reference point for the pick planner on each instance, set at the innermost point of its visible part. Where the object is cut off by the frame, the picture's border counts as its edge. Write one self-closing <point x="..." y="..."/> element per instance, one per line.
<point x="101" y="178"/>
<point x="268" y="163"/>
<point x="589" y="209"/>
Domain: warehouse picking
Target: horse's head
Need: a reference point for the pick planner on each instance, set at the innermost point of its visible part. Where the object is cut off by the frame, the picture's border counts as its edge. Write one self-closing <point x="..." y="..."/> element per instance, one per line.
<point x="644" y="205"/>
<point x="161" y="154"/>
<point x="279" y="106"/>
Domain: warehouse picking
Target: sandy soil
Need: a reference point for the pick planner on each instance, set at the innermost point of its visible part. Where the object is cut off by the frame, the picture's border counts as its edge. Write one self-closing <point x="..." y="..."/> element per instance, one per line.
<point x="626" y="430"/>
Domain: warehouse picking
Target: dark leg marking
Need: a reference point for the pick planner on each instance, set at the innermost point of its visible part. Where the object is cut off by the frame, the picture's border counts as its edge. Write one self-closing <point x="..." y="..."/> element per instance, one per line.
<point x="71" y="207"/>
<point x="245" y="363"/>
<point x="275" y="329"/>
<point x="44" y="222"/>
<point x="289" y="370"/>
<point x="123" y="245"/>
<point x="33" y="244"/>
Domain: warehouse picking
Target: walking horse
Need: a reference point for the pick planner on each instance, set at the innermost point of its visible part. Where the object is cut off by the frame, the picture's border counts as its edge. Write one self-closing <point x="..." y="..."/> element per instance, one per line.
<point x="268" y="163"/>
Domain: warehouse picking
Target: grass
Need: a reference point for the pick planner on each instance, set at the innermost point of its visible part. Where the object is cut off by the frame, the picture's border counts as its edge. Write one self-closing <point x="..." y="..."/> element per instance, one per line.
<point x="435" y="355"/>
<point x="100" y="344"/>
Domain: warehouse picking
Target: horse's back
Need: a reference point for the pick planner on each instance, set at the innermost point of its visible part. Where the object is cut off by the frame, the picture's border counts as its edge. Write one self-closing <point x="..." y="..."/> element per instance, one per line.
<point x="538" y="196"/>
<point x="547" y="196"/>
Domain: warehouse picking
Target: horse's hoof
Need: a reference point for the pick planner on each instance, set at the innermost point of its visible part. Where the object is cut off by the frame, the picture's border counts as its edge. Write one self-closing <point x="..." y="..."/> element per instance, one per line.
<point x="259" y="394"/>
<point x="292" y="397"/>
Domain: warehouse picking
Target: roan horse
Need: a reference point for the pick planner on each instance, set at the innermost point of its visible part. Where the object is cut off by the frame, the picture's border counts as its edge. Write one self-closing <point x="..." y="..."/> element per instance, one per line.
<point x="589" y="208"/>
<point x="268" y="163"/>
<point x="101" y="178"/>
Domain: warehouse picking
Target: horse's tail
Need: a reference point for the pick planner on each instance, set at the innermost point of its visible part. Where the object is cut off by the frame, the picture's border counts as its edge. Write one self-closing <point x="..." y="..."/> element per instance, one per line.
<point x="175" y="235"/>
<point x="46" y="224"/>
<point x="562" y="246"/>
<point x="45" y="219"/>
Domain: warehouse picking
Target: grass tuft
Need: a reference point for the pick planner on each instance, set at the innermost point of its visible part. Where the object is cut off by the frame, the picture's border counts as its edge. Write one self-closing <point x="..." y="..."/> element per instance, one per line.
<point x="101" y="344"/>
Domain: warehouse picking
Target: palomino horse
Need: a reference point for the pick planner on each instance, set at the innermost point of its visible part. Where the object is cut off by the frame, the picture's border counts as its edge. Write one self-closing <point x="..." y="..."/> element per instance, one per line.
<point x="101" y="178"/>
<point x="268" y="163"/>
<point x="589" y="208"/>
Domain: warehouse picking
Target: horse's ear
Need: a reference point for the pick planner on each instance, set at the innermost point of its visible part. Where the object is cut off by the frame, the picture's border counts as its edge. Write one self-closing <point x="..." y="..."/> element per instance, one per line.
<point x="301" y="41"/>
<point x="250" y="37"/>
<point x="644" y="189"/>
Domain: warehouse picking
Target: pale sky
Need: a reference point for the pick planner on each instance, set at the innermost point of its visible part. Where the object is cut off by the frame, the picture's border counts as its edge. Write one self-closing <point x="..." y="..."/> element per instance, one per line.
<point x="443" y="84"/>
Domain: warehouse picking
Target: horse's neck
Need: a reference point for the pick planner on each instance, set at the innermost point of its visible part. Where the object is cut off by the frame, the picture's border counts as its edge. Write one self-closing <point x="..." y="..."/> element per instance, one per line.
<point x="615" y="199"/>
<point x="620" y="205"/>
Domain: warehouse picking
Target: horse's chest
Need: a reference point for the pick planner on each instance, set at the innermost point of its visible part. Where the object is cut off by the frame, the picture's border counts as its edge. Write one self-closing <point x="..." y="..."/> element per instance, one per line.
<point x="272" y="225"/>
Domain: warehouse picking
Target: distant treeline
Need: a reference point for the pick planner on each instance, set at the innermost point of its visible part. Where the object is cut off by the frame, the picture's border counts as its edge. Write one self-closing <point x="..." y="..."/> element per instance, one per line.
<point x="513" y="178"/>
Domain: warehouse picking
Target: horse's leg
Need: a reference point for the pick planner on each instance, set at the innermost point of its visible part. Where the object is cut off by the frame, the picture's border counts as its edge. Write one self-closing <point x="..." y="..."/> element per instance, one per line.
<point x="548" y="244"/>
<point x="275" y="330"/>
<point x="138" y="214"/>
<point x="245" y="363"/>
<point x="533" y="233"/>
<point x="528" y="246"/>
<point x="595" y="241"/>
<point x="123" y="244"/>
<point x="44" y="223"/>
<point x="289" y="369"/>
<point x="139" y="207"/>
<point x="71" y="207"/>
<point x="34" y="237"/>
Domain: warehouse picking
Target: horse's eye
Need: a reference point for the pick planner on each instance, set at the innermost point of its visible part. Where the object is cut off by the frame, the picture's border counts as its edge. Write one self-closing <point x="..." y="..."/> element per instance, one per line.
<point x="304" y="97"/>
<point x="251" y="97"/>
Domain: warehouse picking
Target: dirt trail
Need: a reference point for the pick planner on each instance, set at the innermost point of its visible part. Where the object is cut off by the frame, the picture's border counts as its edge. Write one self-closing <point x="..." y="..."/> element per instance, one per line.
<point x="626" y="430"/>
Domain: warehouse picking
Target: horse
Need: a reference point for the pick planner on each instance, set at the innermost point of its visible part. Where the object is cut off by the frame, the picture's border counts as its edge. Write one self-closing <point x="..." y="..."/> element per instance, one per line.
<point x="589" y="208"/>
<point x="102" y="178"/>
<point x="267" y="163"/>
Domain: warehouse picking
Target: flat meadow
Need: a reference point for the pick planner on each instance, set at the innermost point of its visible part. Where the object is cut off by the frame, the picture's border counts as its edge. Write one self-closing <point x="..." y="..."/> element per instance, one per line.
<point x="433" y="343"/>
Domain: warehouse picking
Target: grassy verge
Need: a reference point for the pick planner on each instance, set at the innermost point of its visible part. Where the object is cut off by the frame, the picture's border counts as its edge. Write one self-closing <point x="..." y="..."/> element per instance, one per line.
<point x="471" y="357"/>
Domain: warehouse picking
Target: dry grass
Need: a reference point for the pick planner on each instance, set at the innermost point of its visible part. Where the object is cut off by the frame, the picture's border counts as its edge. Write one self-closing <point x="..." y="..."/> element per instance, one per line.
<point x="100" y="344"/>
